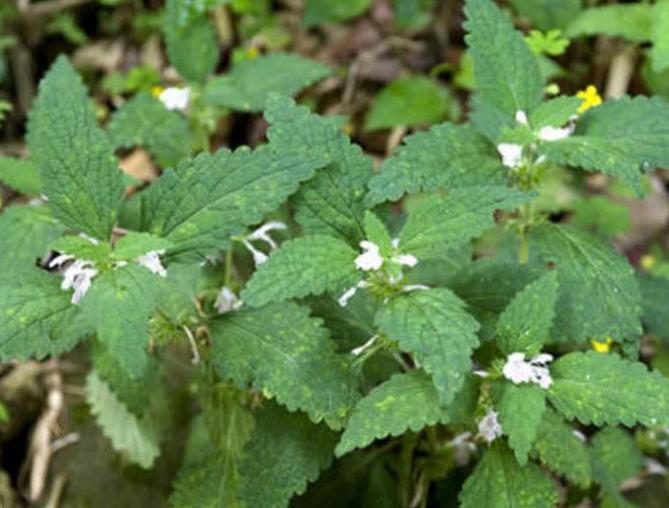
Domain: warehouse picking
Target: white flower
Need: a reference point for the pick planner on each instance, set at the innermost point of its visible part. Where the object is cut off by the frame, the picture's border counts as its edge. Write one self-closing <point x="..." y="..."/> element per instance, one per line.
<point x="489" y="427"/>
<point x="175" y="98"/>
<point x="579" y="435"/>
<point x="655" y="467"/>
<point x="519" y="371"/>
<point x="463" y="448"/>
<point x="521" y="117"/>
<point x="512" y="154"/>
<point x="227" y="301"/>
<point x="371" y="258"/>
<point x="350" y="293"/>
<point x="151" y="260"/>
<point x="406" y="260"/>
<point x="360" y="349"/>
<point x="76" y="276"/>
<point x="549" y="133"/>
<point x="414" y="287"/>
<point x="262" y="233"/>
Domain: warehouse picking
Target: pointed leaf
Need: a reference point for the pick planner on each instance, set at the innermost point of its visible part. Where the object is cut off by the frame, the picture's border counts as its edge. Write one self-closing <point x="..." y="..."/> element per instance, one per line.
<point x="521" y="408"/>
<point x="615" y="458"/>
<point x="21" y="175"/>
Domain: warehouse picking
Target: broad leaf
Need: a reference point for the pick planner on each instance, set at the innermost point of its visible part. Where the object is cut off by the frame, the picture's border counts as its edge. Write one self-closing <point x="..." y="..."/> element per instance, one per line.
<point x="21" y="175"/>
<point x="499" y="482"/>
<point x="118" y="305"/>
<point x="655" y="295"/>
<point x="331" y="202"/>
<point x="548" y="14"/>
<point x="599" y="295"/>
<point x="631" y="21"/>
<point x="588" y="386"/>
<point x="281" y="350"/>
<point x="445" y="157"/>
<point x="249" y="84"/>
<point x="285" y="453"/>
<point x="521" y="409"/>
<point x="615" y="457"/>
<point x="434" y="327"/>
<point x="134" y="245"/>
<point x="305" y="266"/>
<point x="621" y="138"/>
<point x="555" y="112"/>
<point x="77" y="167"/>
<point x="82" y="248"/>
<point x="437" y="224"/>
<point x="525" y="324"/>
<point x="37" y="318"/>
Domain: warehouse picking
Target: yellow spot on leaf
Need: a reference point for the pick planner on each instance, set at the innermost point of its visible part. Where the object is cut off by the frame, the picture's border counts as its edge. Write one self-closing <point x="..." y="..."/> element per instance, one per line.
<point x="591" y="98"/>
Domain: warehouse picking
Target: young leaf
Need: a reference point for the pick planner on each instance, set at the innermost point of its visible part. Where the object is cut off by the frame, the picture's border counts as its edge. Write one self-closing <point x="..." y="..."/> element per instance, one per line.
<point x="376" y="232"/>
<point x="248" y="85"/>
<point x="562" y="451"/>
<point x="145" y="121"/>
<point x="521" y="408"/>
<point x="37" y="318"/>
<point x="588" y="386"/>
<point x="133" y="245"/>
<point x="555" y="112"/>
<point x="269" y="479"/>
<point x="206" y="200"/>
<point x="599" y="296"/>
<point x="525" y="324"/>
<point x="434" y="327"/>
<point x="137" y="438"/>
<point x="437" y="224"/>
<point x="407" y="401"/>
<point x="445" y="157"/>
<point x="615" y="458"/>
<point x="77" y="167"/>
<point x="26" y="232"/>
<point x="118" y="305"/>
<point x="499" y="482"/>
<point x="507" y="74"/>
<point x="331" y="202"/>
<point x="304" y="266"/>
<point x="82" y="248"/>
<point x="191" y="42"/>
<point x="281" y="350"/>
<point x="620" y="137"/>
<point x="21" y="175"/>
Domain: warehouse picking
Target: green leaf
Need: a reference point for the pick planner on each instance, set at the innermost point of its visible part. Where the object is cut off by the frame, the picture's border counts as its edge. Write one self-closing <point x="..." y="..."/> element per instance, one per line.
<point x="410" y="101"/>
<point x="412" y="14"/>
<point x="190" y="10"/>
<point x="332" y="11"/>
<point x="446" y="157"/>
<point x="615" y="458"/>
<point x="599" y="295"/>
<point x="587" y="386"/>
<point x="331" y="202"/>
<point x="133" y="245"/>
<point x="521" y="409"/>
<point x="281" y="350"/>
<point x="249" y="84"/>
<point x="137" y="438"/>
<point x="437" y="224"/>
<point x="78" y="170"/>
<point x="376" y="232"/>
<point x="506" y="72"/>
<point x="659" y="53"/>
<point x="407" y="401"/>
<point x="562" y="451"/>
<point x="210" y="198"/>
<point x="548" y="14"/>
<point x="499" y="482"/>
<point x="621" y="138"/>
<point x="525" y="324"/>
<point x="192" y="46"/>
<point x="21" y="175"/>
<point x="555" y="112"/>
<point x="631" y="21"/>
<point x="82" y="248"/>
<point x="145" y="121"/>
<point x="655" y="295"/>
<point x="26" y="233"/>
<point x="434" y="327"/>
<point x="118" y="305"/>
<point x="285" y="453"/>
<point x="37" y="318"/>
<point x="304" y="266"/>
<point x="603" y="214"/>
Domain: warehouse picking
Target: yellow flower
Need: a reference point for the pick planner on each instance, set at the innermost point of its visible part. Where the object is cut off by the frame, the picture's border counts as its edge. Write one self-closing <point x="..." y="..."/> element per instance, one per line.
<point x="157" y="90"/>
<point x="252" y="52"/>
<point x="591" y="98"/>
<point x="602" y="347"/>
<point x="648" y="261"/>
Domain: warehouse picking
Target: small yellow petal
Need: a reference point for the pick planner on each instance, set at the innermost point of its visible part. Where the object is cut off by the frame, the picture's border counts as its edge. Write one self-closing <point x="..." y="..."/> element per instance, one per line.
<point x="602" y="347"/>
<point x="157" y="90"/>
<point x="590" y="96"/>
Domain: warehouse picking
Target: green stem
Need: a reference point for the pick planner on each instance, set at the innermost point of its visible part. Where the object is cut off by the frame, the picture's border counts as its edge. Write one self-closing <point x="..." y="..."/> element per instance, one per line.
<point x="405" y="467"/>
<point x="228" y="267"/>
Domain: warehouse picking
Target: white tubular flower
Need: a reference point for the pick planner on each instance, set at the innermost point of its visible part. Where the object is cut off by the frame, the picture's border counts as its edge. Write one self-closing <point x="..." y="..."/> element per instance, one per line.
<point x="549" y="133"/>
<point x="489" y="427"/>
<point x="175" y="99"/>
<point x="371" y="258"/>
<point x="259" y="257"/>
<point x="521" y="118"/>
<point x="151" y="261"/>
<point x="406" y="260"/>
<point x="227" y="301"/>
<point x="579" y="435"/>
<point x="361" y="349"/>
<point x="517" y="370"/>
<point x="414" y="287"/>
<point x="463" y="446"/>
<point x="94" y="241"/>
<point x="262" y="233"/>
<point x="512" y="154"/>
<point x="77" y="276"/>
<point x="350" y="293"/>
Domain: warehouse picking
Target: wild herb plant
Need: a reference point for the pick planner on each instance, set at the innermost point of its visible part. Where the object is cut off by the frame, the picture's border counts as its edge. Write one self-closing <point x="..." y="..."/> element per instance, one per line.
<point x="325" y="320"/>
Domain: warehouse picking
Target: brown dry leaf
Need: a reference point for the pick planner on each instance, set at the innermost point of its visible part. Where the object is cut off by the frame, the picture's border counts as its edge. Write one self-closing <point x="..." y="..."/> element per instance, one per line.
<point x="139" y="165"/>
